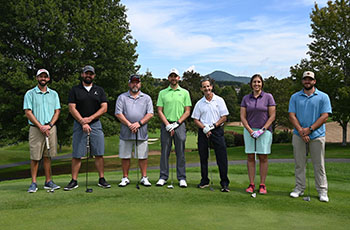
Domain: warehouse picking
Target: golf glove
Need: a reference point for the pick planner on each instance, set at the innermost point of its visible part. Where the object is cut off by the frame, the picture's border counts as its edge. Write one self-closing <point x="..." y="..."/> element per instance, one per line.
<point x="174" y="126"/>
<point x="207" y="128"/>
<point x="258" y="133"/>
<point x="168" y="127"/>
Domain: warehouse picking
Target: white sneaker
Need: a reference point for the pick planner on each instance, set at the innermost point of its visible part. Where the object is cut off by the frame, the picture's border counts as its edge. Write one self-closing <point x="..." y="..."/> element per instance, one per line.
<point x="296" y="193"/>
<point x="144" y="181"/>
<point x="161" y="182"/>
<point x="183" y="184"/>
<point x="323" y="197"/>
<point x="124" y="182"/>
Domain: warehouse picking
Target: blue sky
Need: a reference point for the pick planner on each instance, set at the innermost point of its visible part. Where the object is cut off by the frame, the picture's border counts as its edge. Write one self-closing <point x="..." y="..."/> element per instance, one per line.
<point x="241" y="37"/>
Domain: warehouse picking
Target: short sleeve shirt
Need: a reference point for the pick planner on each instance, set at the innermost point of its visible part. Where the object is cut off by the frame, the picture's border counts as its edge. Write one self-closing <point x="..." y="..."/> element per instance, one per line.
<point x="209" y="112"/>
<point x="258" y="109"/>
<point x="308" y="109"/>
<point x="87" y="102"/>
<point x="42" y="104"/>
<point x="173" y="102"/>
<point x="134" y="109"/>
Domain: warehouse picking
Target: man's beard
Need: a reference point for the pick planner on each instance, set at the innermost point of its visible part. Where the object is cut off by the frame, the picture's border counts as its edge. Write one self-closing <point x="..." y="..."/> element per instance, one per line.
<point x="42" y="84"/>
<point x="135" y="90"/>
<point x="87" y="80"/>
<point x="308" y="88"/>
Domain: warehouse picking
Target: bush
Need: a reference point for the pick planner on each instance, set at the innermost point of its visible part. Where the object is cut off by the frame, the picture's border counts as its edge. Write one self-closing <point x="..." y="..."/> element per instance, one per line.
<point x="229" y="139"/>
<point x="282" y="137"/>
<point x="236" y="138"/>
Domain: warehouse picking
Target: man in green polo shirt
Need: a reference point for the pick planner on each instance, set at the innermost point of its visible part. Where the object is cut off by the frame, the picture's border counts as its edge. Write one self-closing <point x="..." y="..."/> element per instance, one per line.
<point x="174" y="106"/>
<point x="42" y="108"/>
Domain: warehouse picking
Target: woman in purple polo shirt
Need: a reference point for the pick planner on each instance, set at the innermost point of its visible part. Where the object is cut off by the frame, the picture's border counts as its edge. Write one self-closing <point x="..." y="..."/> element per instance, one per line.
<point x="258" y="111"/>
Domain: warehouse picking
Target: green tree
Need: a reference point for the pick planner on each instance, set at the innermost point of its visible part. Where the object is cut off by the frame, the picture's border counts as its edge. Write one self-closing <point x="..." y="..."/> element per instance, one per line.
<point x="63" y="36"/>
<point x="228" y="93"/>
<point x="281" y="91"/>
<point x="329" y="56"/>
<point x="191" y="82"/>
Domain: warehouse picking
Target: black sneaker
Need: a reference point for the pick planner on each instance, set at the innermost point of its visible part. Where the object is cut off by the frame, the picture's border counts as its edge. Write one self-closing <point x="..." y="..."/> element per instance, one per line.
<point x="225" y="188"/>
<point x="203" y="185"/>
<point x="103" y="183"/>
<point x="72" y="185"/>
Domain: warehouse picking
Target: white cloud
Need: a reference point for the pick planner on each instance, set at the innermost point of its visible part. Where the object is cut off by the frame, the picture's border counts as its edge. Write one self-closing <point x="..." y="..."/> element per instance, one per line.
<point x="178" y="31"/>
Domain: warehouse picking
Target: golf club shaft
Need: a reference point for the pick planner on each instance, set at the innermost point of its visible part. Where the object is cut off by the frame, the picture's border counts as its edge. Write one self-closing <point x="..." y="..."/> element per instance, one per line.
<point x="307" y="169"/>
<point x="211" y="173"/>
<point x="87" y="160"/>
<point x="49" y="153"/>
<point x="137" y="162"/>
<point x="254" y="159"/>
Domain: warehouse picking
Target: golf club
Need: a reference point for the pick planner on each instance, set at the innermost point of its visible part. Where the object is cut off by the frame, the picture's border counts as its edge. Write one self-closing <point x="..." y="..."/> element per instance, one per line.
<point x="88" y="153"/>
<point x="48" y="153"/>
<point x="254" y="193"/>
<point x="307" y="198"/>
<point x="171" y="186"/>
<point x="137" y="161"/>
<point x="211" y="172"/>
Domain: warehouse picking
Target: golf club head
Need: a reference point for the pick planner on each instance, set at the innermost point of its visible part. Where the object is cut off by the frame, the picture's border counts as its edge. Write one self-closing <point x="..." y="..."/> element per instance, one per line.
<point x="89" y="190"/>
<point x="253" y="195"/>
<point x="51" y="190"/>
<point x="137" y="186"/>
<point x="211" y="188"/>
<point x="307" y="198"/>
<point x="170" y="186"/>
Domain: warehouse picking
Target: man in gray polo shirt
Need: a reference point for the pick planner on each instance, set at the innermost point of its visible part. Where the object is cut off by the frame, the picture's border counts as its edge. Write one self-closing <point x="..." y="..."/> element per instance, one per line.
<point x="134" y="109"/>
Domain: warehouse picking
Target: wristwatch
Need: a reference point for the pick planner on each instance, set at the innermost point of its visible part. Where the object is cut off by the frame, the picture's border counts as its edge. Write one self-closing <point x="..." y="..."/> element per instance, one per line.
<point x="311" y="129"/>
<point x="50" y="124"/>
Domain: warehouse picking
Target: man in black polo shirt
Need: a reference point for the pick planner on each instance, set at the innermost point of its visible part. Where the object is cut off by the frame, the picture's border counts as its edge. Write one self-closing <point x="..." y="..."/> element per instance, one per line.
<point x="87" y="102"/>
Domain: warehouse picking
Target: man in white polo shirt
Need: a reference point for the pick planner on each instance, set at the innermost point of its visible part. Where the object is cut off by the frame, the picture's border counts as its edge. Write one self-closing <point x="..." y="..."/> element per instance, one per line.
<point x="134" y="109"/>
<point x="209" y="115"/>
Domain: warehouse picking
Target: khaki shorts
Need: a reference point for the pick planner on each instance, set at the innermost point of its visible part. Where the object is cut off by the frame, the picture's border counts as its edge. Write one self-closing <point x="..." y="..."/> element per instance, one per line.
<point x="126" y="147"/>
<point x="37" y="143"/>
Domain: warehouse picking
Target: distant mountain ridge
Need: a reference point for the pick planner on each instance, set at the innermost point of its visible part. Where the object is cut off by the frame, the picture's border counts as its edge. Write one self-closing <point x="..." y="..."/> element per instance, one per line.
<point x="223" y="76"/>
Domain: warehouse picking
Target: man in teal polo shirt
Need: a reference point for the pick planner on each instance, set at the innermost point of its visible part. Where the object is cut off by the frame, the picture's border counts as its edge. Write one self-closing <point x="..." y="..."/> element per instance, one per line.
<point x="174" y="106"/>
<point x="308" y="112"/>
<point x="42" y="108"/>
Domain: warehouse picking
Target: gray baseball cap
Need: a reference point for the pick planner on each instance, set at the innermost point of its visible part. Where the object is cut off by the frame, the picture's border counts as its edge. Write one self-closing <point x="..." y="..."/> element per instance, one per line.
<point x="88" y="68"/>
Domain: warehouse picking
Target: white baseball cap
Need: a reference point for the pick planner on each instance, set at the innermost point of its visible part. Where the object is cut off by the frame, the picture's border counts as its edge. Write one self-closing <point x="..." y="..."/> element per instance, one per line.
<point x="40" y="71"/>
<point x="175" y="71"/>
<point x="309" y="74"/>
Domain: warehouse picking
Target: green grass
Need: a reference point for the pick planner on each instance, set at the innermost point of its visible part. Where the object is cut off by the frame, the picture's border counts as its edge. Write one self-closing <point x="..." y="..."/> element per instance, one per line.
<point x="237" y="129"/>
<point x="191" y="208"/>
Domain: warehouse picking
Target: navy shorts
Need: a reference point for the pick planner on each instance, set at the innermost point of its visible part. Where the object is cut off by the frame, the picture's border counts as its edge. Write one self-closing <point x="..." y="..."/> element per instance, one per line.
<point x="97" y="145"/>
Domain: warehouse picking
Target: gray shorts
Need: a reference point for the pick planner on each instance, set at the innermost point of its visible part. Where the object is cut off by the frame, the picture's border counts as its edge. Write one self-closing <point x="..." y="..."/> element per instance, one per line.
<point x="97" y="144"/>
<point x="126" y="147"/>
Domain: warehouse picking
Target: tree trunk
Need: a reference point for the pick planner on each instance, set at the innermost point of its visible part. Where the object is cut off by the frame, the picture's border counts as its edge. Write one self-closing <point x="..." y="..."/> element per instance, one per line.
<point x="344" y="126"/>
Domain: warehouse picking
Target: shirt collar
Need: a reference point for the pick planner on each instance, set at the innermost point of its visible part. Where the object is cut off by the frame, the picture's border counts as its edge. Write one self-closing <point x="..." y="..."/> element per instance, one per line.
<point x="140" y="94"/>
<point x="37" y="90"/>
<point x="213" y="99"/>
<point x="301" y="92"/>
<point x="178" y="88"/>
<point x="261" y="95"/>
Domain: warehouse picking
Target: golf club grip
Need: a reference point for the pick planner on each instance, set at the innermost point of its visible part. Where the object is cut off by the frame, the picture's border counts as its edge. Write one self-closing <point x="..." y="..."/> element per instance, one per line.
<point x="47" y="143"/>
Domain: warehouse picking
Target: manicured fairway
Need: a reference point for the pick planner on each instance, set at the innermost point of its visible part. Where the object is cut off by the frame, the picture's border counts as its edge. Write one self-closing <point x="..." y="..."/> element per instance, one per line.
<point x="191" y="208"/>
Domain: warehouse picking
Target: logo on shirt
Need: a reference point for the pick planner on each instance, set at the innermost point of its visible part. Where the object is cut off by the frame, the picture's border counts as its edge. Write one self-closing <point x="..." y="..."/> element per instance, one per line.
<point x="96" y="93"/>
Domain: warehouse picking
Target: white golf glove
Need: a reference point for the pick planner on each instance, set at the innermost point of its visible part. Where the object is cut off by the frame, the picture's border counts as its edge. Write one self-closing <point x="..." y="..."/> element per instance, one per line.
<point x="207" y="128"/>
<point x="168" y="127"/>
<point x="174" y="126"/>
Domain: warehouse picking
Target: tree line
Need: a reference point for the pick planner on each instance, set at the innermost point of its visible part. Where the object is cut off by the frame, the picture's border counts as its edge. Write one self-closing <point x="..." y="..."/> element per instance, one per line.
<point x="65" y="35"/>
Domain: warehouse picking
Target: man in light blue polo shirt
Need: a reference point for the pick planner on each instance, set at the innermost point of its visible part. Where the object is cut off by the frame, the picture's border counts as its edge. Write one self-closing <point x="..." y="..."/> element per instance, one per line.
<point x="134" y="109"/>
<point x="42" y="108"/>
<point x="308" y="112"/>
